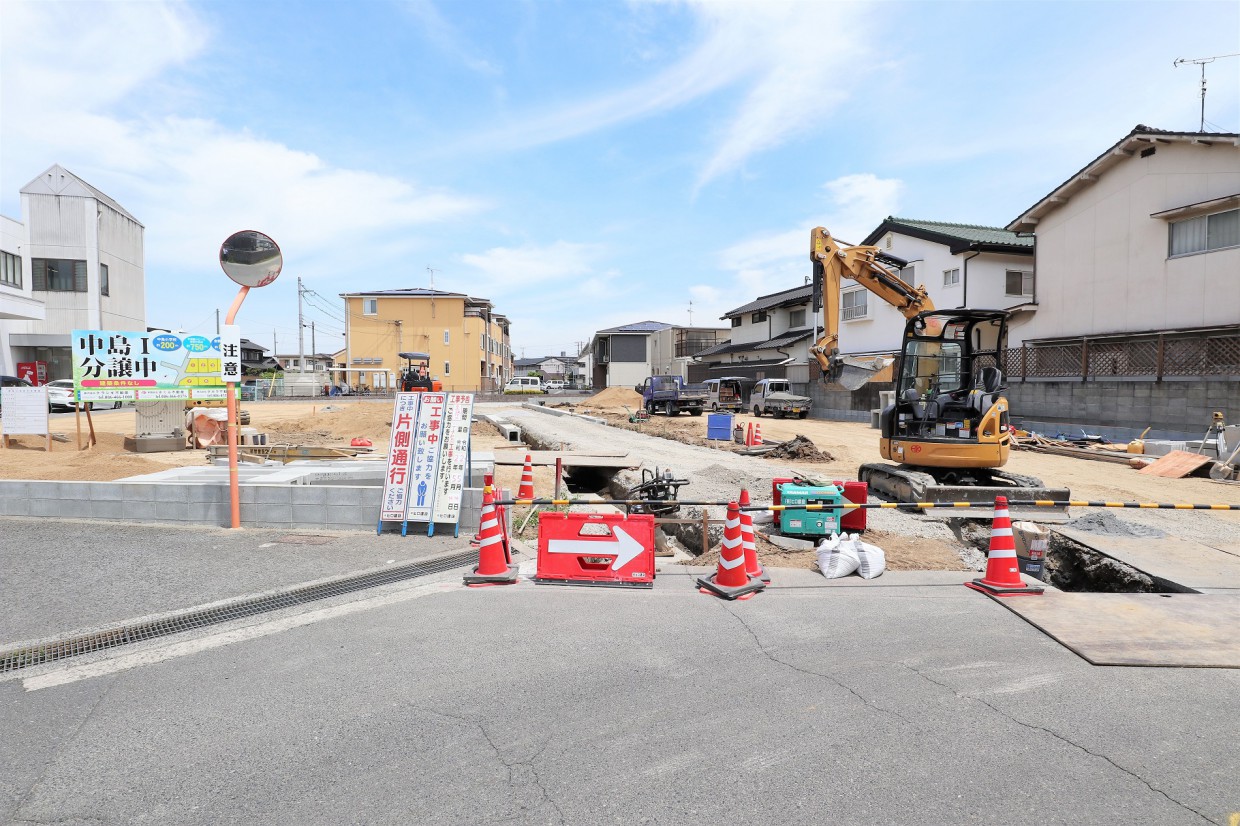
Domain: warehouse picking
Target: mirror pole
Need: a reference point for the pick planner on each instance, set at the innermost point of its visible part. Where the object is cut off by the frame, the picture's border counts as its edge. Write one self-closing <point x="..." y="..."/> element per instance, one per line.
<point x="234" y="487"/>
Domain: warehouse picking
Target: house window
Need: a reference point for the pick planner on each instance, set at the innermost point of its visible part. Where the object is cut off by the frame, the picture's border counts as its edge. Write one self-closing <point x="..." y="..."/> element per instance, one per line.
<point x="103" y="279"/>
<point x="1205" y="233"/>
<point x="58" y="275"/>
<point x="1019" y="283"/>
<point x="370" y="306"/>
<point x="853" y="304"/>
<point x="447" y="369"/>
<point x="796" y="318"/>
<point x="445" y="337"/>
<point x="758" y="317"/>
<point x="10" y="269"/>
<point x="737" y="321"/>
<point x="951" y="277"/>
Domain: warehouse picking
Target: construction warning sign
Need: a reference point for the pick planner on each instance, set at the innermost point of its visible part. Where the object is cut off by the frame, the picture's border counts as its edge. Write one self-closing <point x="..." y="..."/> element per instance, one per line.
<point x="454" y="459"/>
<point x="400" y="457"/>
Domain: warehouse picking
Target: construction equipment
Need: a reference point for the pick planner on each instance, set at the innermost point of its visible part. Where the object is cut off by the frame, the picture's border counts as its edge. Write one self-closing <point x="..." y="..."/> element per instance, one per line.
<point x="636" y="416"/>
<point x="658" y="492"/>
<point x="949" y="427"/>
<point x="416" y="378"/>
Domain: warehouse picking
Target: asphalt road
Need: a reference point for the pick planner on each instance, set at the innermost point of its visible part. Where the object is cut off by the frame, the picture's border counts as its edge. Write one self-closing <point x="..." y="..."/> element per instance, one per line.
<point x="909" y="699"/>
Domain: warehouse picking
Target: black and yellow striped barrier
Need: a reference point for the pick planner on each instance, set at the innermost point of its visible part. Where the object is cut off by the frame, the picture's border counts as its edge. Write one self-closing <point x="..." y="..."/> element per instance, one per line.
<point x="1020" y="503"/>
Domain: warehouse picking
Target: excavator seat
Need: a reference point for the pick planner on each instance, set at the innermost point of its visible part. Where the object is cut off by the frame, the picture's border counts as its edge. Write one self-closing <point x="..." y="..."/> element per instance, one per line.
<point x="990" y="384"/>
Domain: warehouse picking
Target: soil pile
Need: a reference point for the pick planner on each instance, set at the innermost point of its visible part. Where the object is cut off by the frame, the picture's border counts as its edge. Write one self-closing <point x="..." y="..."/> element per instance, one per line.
<point x="904" y="553"/>
<point x="614" y="399"/>
<point x="801" y="448"/>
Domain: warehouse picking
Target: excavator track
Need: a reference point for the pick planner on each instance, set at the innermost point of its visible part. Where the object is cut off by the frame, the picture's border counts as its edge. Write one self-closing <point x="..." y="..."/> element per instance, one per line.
<point x="904" y="483"/>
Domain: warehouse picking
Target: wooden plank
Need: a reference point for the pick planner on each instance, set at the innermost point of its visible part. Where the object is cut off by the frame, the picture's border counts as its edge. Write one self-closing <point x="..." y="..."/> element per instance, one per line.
<point x="1177" y="630"/>
<point x="1168" y="558"/>
<point x="1176" y="465"/>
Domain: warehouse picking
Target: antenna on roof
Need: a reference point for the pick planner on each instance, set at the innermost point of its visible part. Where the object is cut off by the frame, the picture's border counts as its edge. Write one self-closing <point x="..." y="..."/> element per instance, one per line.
<point x="691" y="312"/>
<point x="1202" y="61"/>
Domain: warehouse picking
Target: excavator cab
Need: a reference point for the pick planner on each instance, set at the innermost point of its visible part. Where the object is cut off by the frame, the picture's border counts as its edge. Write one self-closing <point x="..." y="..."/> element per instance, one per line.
<point x="949" y="408"/>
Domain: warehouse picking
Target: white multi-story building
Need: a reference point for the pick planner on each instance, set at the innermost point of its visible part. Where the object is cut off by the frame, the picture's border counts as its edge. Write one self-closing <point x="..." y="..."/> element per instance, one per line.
<point x="75" y="261"/>
<point x="960" y="265"/>
<point x="1145" y="238"/>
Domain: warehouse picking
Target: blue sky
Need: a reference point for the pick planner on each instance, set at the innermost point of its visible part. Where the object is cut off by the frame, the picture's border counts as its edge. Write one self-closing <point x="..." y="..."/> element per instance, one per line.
<point x="582" y="164"/>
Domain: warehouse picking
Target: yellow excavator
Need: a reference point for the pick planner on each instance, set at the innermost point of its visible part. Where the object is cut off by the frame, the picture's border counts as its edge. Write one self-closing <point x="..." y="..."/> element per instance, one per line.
<point x="948" y="428"/>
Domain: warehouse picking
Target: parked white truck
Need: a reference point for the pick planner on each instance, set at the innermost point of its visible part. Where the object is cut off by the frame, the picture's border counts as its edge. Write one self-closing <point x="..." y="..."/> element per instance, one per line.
<point x="774" y="396"/>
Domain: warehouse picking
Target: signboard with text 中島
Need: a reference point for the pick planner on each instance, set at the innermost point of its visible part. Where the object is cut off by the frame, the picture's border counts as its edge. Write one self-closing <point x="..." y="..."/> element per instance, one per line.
<point x="111" y="365"/>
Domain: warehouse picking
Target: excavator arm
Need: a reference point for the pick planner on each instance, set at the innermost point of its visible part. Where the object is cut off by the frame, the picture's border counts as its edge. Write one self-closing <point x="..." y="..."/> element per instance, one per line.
<point x="832" y="264"/>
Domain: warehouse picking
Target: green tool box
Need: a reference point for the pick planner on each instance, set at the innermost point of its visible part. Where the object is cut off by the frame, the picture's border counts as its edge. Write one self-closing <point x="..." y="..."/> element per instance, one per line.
<point x="796" y="520"/>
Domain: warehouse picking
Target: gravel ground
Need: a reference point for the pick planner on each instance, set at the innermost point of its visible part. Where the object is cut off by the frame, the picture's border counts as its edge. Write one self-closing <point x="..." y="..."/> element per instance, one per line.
<point x="716" y="475"/>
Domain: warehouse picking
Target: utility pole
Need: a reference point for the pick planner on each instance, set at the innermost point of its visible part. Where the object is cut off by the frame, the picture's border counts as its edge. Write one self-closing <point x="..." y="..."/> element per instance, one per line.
<point x="217" y="322"/>
<point x="275" y="347"/>
<point x="301" y="330"/>
<point x="1202" y="61"/>
<point x="313" y="350"/>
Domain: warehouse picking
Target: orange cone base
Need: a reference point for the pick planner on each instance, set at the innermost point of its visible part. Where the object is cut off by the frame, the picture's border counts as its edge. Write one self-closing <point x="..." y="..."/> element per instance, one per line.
<point x="707" y="585"/>
<point x="476" y="580"/>
<point x="1004" y="590"/>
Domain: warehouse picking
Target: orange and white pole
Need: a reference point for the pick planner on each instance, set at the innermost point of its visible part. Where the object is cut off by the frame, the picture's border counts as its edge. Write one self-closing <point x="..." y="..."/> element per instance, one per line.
<point x="234" y="484"/>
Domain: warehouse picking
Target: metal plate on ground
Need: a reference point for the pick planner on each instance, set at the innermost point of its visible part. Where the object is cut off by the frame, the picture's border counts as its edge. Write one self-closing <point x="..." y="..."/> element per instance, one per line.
<point x="1167" y="558"/>
<point x="1176" y="630"/>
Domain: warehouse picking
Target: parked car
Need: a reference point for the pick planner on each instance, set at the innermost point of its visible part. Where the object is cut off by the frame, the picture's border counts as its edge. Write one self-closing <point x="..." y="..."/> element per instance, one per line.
<point x="60" y="396"/>
<point x="524" y="384"/>
<point x="556" y="384"/>
<point x="13" y="381"/>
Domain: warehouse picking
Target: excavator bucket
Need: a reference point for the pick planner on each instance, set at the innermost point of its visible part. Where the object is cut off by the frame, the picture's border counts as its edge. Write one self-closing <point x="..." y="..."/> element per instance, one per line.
<point x="852" y="377"/>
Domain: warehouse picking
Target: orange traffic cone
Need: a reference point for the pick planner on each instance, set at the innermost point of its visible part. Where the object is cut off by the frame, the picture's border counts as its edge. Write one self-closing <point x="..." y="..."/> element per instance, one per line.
<point x="526" y="490"/>
<point x="752" y="566"/>
<point x="730" y="580"/>
<point x="757" y="433"/>
<point x="749" y="436"/>
<point x="1002" y="572"/>
<point x="493" y="567"/>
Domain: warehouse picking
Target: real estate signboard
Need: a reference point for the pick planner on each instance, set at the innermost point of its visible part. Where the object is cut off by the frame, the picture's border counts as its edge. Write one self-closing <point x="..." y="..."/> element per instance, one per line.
<point x="117" y="365"/>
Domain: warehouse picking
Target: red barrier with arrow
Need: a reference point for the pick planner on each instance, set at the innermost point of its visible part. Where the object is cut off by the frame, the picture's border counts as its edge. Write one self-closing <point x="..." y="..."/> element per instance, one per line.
<point x="595" y="549"/>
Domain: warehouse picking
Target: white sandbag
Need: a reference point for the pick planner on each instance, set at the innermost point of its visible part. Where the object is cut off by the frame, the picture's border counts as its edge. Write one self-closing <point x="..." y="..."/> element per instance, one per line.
<point x="873" y="559"/>
<point x="837" y="557"/>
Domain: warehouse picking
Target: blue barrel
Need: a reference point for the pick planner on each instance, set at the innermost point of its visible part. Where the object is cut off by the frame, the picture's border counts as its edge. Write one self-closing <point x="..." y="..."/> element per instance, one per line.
<point x="719" y="426"/>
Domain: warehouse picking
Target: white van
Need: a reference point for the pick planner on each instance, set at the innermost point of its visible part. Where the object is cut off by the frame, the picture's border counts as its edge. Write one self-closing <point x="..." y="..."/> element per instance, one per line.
<point x="524" y="384"/>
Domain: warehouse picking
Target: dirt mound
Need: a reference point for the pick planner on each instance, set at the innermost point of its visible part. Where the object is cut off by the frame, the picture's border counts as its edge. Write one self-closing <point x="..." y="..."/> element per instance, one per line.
<point x="614" y="399"/>
<point x="903" y="553"/>
<point x="799" y="447"/>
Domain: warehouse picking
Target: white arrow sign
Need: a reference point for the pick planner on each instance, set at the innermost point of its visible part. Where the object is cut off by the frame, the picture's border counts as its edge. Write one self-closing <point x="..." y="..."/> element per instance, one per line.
<point x="625" y="547"/>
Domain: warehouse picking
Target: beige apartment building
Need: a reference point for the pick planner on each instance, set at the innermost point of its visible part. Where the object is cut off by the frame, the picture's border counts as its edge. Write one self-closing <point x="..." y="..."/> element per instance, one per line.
<point x="468" y="342"/>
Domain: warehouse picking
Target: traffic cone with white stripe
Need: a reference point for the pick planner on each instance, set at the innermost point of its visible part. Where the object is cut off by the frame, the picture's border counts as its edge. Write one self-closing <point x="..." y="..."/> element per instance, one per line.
<point x="730" y="580"/>
<point x="752" y="566"/>
<point x="493" y="567"/>
<point x="749" y="436"/>
<point x="488" y="480"/>
<point x="1002" y="570"/>
<point x="757" y="433"/>
<point x="526" y="490"/>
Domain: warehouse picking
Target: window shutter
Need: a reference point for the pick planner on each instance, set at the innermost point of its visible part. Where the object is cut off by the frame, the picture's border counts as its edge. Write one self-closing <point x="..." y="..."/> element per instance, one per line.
<point x="38" y="271"/>
<point x="79" y="276"/>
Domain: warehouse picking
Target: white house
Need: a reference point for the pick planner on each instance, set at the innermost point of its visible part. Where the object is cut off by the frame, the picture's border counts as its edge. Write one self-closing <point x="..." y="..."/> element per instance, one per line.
<point x="960" y="265"/>
<point x="76" y="262"/>
<point x="1146" y="237"/>
<point x="768" y="334"/>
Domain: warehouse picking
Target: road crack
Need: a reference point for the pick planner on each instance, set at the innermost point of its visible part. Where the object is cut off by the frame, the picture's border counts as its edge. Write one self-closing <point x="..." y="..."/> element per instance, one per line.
<point x="1061" y="738"/>
<point x="770" y="655"/>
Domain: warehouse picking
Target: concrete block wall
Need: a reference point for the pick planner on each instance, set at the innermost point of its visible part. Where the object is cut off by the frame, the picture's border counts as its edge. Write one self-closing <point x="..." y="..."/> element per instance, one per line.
<point x="845" y="405"/>
<point x="295" y="507"/>
<point x="1119" y="408"/>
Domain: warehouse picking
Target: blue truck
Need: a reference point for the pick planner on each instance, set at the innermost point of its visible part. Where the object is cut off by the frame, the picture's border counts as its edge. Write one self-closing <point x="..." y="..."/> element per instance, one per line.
<point x="670" y="395"/>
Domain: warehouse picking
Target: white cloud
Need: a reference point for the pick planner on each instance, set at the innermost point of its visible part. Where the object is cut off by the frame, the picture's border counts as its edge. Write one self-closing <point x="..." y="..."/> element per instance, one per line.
<point x="776" y="261"/>
<point x="516" y="268"/>
<point x="794" y="60"/>
<point x="446" y="38"/>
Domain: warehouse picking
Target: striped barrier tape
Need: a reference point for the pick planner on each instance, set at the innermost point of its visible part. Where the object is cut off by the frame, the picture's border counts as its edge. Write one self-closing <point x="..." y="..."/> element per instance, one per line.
<point x="1024" y="503"/>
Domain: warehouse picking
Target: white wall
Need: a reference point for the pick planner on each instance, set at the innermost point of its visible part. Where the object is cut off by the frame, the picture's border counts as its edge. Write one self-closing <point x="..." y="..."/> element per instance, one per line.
<point x="627" y="373"/>
<point x="1102" y="263"/>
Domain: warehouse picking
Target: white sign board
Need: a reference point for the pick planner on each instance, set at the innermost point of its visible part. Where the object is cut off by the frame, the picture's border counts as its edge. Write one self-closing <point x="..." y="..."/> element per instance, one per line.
<point x="428" y="445"/>
<point x="23" y="411"/>
<point x="400" y="456"/>
<point x="454" y="462"/>
<point x="230" y="353"/>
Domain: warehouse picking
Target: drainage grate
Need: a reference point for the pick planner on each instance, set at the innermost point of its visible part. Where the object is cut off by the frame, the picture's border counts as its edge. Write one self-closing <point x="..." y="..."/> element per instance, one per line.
<point x="26" y="657"/>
